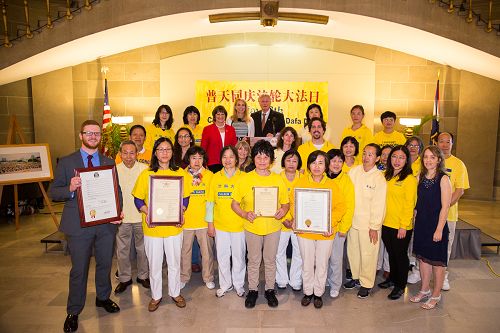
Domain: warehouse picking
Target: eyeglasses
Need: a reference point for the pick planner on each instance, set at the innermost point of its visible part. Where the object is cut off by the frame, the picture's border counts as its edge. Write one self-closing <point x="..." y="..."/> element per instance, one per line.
<point x="163" y="150"/>
<point x="187" y="136"/>
<point x="87" y="133"/>
<point x="412" y="146"/>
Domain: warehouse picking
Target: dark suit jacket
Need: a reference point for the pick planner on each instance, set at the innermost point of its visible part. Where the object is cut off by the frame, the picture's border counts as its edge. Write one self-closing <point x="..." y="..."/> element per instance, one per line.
<point x="59" y="190"/>
<point x="274" y="123"/>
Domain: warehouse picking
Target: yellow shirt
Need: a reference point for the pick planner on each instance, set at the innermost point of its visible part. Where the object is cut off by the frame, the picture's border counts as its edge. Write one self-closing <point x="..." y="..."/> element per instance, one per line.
<point x="338" y="206"/>
<point x="416" y="166"/>
<point x="154" y="132"/>
<point x="194" y="216"/>
<point x="144" y="157"/>
<point x="393" y="139"/>
<point x="220" y="193"/>
<point x="459" y="178"/>
<point x="346" y="168"/>
<point x="289" y="186"/>
<point x="363" y="135"/>
<point x="276" y="166"/>
<point x="243" y="193"/>
<point x="197" y="131"/>
<point x="400" y="203"/>
<point x="128" y="177"/>
<point x="141" y="191"/>
<point x="307" y="148"/>
<point x="347" y="190"/>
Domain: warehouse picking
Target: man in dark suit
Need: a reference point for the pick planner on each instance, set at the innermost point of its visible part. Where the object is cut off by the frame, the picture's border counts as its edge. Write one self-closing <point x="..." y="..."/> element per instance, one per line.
<point x="82" y="242"/>
<point x="266" y="121"/>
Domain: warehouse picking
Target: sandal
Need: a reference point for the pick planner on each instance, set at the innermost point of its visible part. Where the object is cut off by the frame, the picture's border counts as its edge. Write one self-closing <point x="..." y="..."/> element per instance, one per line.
<point x="421" y="295"/>
<point x="431" y="303"/>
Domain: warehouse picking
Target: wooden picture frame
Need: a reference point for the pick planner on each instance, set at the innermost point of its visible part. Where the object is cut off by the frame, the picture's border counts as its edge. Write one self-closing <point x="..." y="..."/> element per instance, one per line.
<point x="25" y="163"/>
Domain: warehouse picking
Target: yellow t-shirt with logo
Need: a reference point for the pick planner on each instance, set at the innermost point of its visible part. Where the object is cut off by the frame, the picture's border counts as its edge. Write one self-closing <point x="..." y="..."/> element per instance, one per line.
<point x="154" y="132"/>
<point x="194" y="216"/>
<point x="243" y="194"/>
<point x="289" y="186"/>
<point x="141" y="191"/>
<point x="220" y="193"/>
<point x="393" y="139"/>
<point x="337" y="208"/>
<point x="459" y="178"/>
<point x="400" y="203"/>
<point x="197" y="131"/>
<point x="363" y="135"/>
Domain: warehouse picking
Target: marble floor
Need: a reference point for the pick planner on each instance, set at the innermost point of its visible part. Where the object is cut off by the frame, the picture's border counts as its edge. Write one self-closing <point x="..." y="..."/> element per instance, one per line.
<point x="33" y="292"/>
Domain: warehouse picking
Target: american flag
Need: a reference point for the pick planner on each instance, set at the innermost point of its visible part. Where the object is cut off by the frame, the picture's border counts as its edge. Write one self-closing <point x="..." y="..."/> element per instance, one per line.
<point x="106" y="114"/>
<point x="435" y="117"/>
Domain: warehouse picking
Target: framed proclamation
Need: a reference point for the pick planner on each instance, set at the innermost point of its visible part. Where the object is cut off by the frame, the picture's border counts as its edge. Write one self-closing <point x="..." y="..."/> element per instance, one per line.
<point x="312" y="210"/>
<point x="265" y="201"/>
<point x="165" y="200"/>
<point x="98" y="199"/>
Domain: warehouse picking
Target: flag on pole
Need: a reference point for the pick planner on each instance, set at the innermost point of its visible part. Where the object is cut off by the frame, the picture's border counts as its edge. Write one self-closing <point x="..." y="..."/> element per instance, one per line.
<point x="106" y="115"/>
<point x="435" y="117"/>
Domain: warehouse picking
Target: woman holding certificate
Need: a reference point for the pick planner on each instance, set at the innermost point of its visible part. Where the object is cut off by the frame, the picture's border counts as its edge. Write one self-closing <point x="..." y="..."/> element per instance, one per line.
<point x="163" y="239"/>
<point x="317" y="206"/>
<point x="261" y="199"/>
<point x="226" y="226"/>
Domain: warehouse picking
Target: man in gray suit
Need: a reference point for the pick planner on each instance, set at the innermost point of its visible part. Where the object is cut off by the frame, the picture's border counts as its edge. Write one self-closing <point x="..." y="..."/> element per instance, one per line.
<point x="82" y="242"/>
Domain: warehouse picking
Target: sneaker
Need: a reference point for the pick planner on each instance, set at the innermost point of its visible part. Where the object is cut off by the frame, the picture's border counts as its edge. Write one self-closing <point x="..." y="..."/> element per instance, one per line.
<point x="386" y="284"/>
<point x="210" y="285"/>
<point x="414" y="276"/>
<point x="270" y="295"/>
<point x="251" y="299"/>
<point x="221" y="292"/>
<point x="351" y="284"/>
<point x="446" y="283"/>
<point x="334" y="293"/>
<point x="281" y="286"/>
<point x="296" y="288"/>
<point x="240" y="292"/>
<point x="363" y="292"/>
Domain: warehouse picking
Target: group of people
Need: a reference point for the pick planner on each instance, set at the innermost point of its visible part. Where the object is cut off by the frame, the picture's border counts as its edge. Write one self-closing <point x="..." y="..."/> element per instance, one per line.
<point x="378" y="204"/>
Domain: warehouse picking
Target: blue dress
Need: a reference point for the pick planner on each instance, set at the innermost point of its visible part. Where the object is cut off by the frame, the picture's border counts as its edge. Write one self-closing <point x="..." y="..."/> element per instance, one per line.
<point x="428" y="208"/>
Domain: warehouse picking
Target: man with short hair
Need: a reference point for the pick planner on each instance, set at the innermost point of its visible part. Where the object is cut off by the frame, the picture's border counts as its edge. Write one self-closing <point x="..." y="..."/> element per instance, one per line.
<point x="128" y="172"/>
<point x="266" y="121"/>
<point x="317" y="128"/>
<point x="137" y="134"/>
<point x="388" y="136"/>
<point x="82" y="242"/>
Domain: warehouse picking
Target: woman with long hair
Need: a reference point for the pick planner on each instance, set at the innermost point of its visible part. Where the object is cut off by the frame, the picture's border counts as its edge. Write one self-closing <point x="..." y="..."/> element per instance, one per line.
<point x="183" y="140"/>
<point x="241" y="121"/>
<point x="244" y="158"/>
<point x="161" y="126"/>
<point x="288" y="139"/>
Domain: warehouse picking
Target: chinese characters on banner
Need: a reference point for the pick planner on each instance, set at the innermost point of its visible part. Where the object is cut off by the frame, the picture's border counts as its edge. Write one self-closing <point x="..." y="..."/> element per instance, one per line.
<point x="289" y="98"/>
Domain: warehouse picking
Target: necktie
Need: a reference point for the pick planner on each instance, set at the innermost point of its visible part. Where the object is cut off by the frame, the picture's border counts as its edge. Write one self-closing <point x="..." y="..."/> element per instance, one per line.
<point x="263" y="121"/>
<point x="89" y="163"/>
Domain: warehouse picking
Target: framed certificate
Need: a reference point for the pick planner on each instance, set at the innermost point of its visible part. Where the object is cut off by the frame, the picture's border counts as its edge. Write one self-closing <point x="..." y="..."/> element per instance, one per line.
<point x="98" y="199"/>
<point x="165" y="200"/>
<point x="312" y="210"/>
<point x="265" y="201"/>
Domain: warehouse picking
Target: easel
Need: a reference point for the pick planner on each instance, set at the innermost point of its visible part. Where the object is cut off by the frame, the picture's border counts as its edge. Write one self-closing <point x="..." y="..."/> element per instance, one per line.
<point x="11" y="139"/>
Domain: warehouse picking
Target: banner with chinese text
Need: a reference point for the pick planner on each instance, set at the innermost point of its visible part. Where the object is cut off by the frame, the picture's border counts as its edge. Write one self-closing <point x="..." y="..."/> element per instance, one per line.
<point x="289" y="98"/>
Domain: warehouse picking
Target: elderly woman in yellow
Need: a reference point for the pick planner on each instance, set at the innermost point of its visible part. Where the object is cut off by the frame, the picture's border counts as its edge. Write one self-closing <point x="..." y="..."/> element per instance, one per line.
<point x="347" y="189"/>
<point x="398" y="221"/>
<point x="161" y="126"/>
<point x="226" y="226"/>
<point x="262" y="233"/>
<point x="290" y="163"/>
<point x="161" y="240"/>
<point x="350" y="149"/>
<point x="415" y="147"/>
<point x="194" y="219"/>
<point x="315" y="249"/>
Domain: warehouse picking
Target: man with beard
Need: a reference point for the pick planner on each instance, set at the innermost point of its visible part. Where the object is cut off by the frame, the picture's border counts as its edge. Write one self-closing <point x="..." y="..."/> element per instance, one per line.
<point x="83" y="242"/>
<point x="317" y="128"/>
<point x="266" y="121"/>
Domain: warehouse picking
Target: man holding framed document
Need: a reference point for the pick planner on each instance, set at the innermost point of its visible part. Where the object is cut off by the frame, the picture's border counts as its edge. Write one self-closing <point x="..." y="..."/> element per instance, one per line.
<point x="95" y="236"/>
<point x="317" y="205"/>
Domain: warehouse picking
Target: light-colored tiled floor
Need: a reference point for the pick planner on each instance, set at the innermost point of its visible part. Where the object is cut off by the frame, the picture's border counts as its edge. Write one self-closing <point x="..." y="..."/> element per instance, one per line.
<point x="33" y="291"/>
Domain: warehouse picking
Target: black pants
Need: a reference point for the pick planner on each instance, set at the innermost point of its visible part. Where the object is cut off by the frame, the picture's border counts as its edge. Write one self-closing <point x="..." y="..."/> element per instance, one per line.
<point x="398" y="255"/>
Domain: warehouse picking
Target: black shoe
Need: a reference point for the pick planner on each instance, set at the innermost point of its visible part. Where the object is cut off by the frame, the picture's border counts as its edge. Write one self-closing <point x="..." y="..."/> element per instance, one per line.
<point x="386" y="284"/>
<point x="108" y="305"/>
<point x="71" y="323"/>
<point x="348" y="274"/>
<point x="396" y="293"/>
<point x="270" y="295"/>
<point x="251" y="299"/>
<point x="306" y="300"/>
<point x="318" y="302"/>
<point x="352" y="284"/>
<point x="363" y="292"/>
<point x="144" y="282"/>
<point x="122" y="286"/>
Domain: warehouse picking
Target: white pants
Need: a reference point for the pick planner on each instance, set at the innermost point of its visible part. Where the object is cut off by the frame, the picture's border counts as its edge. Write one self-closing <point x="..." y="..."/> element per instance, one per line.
<point x="383" y="258"/>
<point x="282" y="277"/>
<point x="335" y="263"/>
<point x="155" y="248"/>
<point x="231" y="245"/>
<point x="452" y="225"/>
<point x="315" y="256"/>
